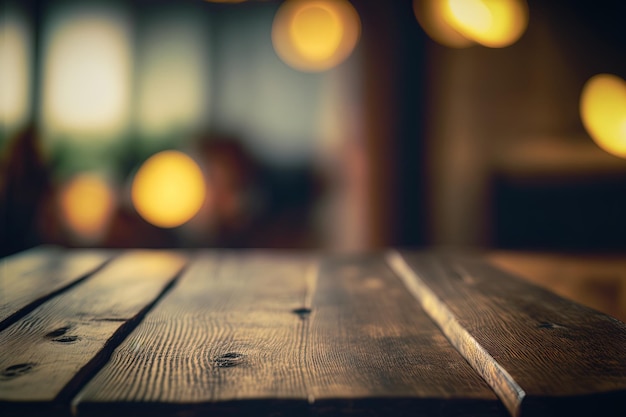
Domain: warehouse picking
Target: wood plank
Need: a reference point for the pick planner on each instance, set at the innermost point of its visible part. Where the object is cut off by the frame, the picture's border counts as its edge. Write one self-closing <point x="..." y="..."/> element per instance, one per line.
<point x="597" y="281"/>
<point x="46" y="355"/>
<point x="31" y="277"/>
<point x="542" y="354"/>
<point x="29" y="259"/>
<point x="226" y="340"/>
<point x="373" y="351"/>
<point x="244" y="334"/>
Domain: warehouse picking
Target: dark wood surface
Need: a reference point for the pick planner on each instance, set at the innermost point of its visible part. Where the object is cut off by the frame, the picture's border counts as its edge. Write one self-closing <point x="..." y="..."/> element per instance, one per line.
<point x="225" y="332"/>
<point x="266" y="333"/>
<point x="284" y="335"/>
<point x="31" y="277"/>
<point x="542" y="354"/>
<point x="49" y="353"/>
<point x="371" y="347"/>
<point x="597" y="281"/>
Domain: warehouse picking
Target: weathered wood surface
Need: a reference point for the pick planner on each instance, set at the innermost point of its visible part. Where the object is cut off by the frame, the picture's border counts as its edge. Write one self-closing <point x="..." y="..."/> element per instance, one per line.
<point x="597" y="281"/>
<point x="48" y="354"/>
<point x="31" y="277"/>
<point x="267" y="334"/>
<point x="270" y="333"/>
<point x="226" y="333"/>
<point x="370" y="343"/>
<point x="542" y="354"/>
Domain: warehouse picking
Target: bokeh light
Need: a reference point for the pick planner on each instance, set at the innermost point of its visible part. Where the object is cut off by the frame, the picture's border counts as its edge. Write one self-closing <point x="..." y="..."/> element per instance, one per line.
<point x="462" y="23"/>
<point x="431" y="16"/>
<point x="87" y="204"/>
<point x="14" y="71"/>
<point x="315" y="35"/>
<point x="168" y="189"/>
<point x="492" y="23"/>
<point x="87" y="73"/>
<point x="172" y="59"/>
<point x="603" y="112"/>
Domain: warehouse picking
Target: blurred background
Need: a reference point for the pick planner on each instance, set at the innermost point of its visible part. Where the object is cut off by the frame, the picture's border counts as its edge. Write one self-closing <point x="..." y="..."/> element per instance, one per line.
<point x="327" y="124"/>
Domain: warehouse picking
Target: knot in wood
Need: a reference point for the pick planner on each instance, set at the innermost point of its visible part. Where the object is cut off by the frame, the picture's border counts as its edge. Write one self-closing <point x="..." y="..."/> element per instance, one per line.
<point x="302" y="312"/>
<point x="548" y="325"/>
<point x="58" y="332"/>
<point x="14" y="371"/>
<point x="66" y="339"/>
<point x="228" y="360"/>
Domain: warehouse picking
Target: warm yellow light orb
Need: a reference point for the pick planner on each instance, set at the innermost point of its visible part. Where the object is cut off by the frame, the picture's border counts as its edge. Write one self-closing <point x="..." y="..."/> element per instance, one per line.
<point x="87" y="203"/>
<point x="315" y="35"/>
<point x="603" y="112"/>
<point x="492" y="23"/>
<point x="431" y="16"/>
<point x="169" y="189"/>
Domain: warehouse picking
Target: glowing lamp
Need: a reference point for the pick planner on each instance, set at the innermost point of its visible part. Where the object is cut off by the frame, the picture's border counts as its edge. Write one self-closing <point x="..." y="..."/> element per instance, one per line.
<point x="168" y="189"/>
<point x="87" y="203"/>
<point x="431" y="16"/>
<point x="603" y="112"/>
<point x="315" y="35"/>
<point x="462" y="23"/>
<point x="492" y="23"/>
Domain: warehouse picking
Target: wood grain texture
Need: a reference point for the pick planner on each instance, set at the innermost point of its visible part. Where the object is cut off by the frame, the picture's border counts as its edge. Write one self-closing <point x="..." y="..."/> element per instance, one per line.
<point x="257" y="334"/>
<point x="597" y="281"/>
<point x="542" y="354"/>
<point x="49" y="352"/>
<point x="34" y="275"/>
<point x="225" y="337"/>
<point x="372" y="350"/>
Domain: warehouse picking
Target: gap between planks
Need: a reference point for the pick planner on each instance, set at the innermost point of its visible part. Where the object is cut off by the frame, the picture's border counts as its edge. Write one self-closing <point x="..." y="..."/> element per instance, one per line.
<point x="59" y="401"/>
<point x="507" y="389"/>
<point x="100" y="359"/>
<point x="359" y="354"/>
<point x="559" y="357"/>
<point x="71" y="283"/>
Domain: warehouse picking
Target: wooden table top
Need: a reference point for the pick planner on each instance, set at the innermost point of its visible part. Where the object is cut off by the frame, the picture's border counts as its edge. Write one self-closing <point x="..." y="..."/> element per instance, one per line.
<point x="279" y="333"/>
